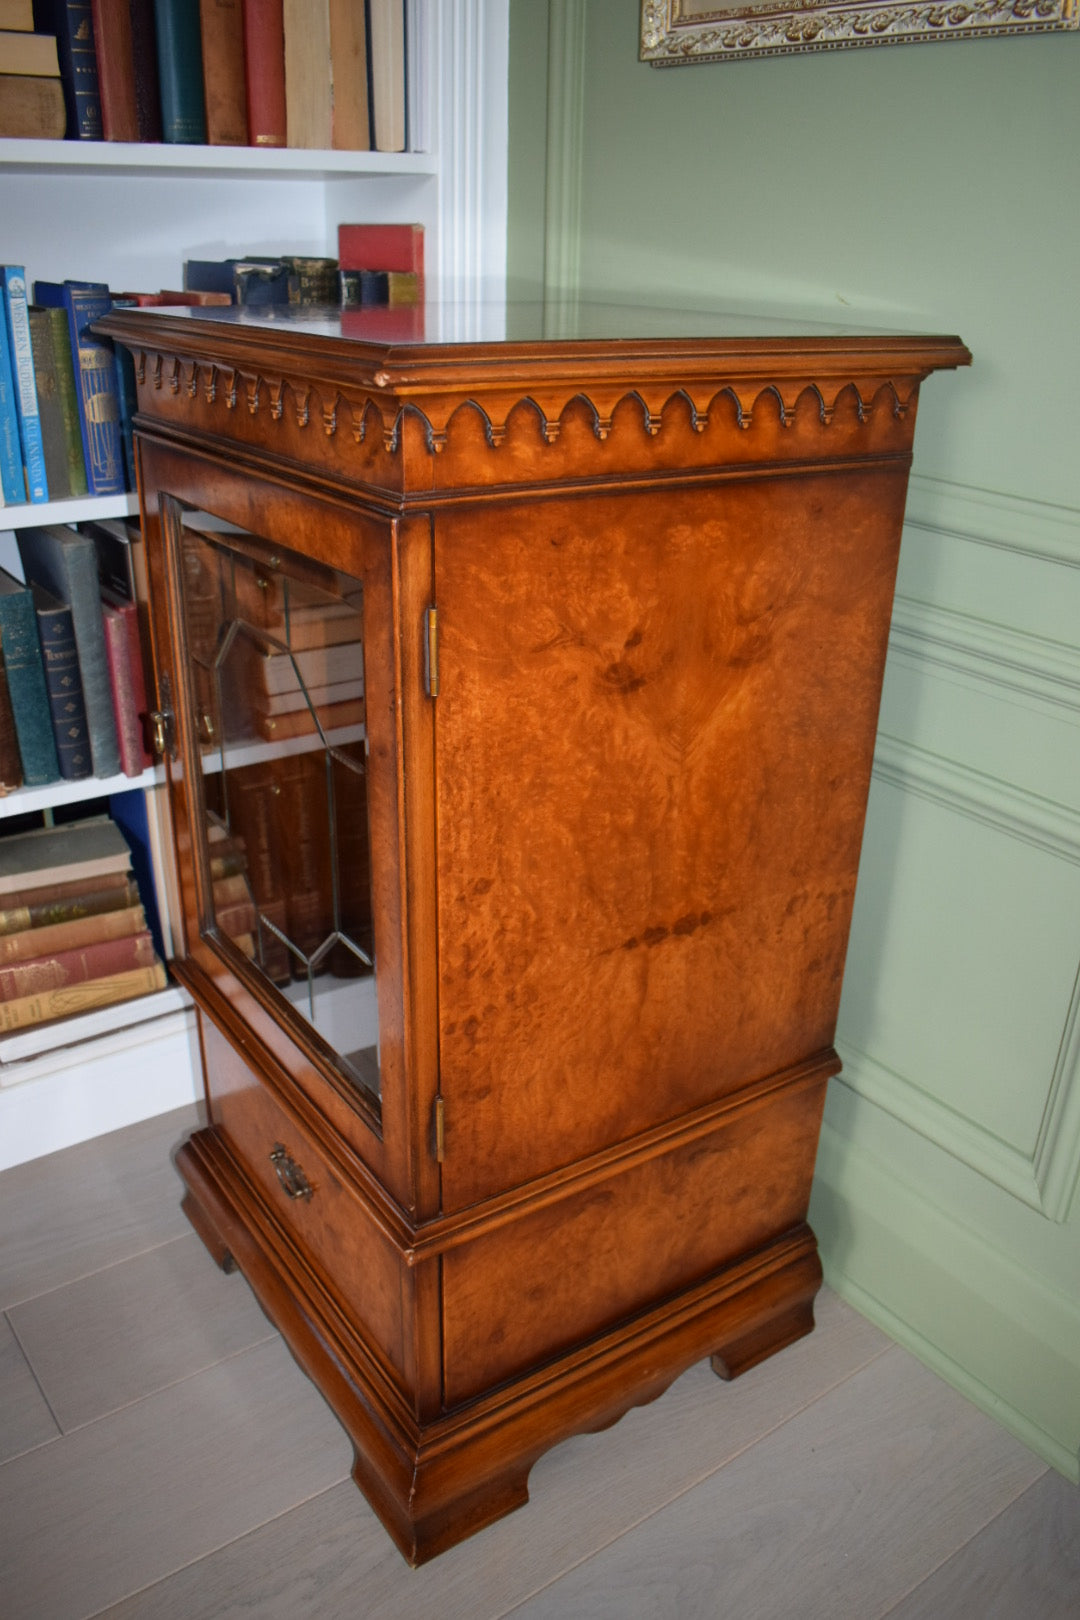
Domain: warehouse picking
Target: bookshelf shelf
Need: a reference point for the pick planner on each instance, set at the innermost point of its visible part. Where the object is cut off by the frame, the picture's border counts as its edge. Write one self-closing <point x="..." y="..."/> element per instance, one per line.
<point x="203" y="162"/>
<point x="51" y="794"/>
<point x="77" y="511"/>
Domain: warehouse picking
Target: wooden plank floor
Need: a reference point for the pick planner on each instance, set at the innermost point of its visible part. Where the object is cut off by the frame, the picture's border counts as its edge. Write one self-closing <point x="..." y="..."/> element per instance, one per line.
<point x="161" y="1458"/>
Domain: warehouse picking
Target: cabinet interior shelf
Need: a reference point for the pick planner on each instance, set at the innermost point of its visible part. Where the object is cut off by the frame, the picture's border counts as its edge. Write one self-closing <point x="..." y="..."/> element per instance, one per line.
<point x="120" y="157"/>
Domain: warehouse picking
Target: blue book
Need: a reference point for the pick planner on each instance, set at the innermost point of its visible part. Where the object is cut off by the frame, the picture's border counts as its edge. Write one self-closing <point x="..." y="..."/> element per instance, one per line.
<point x="63" y="683"/>
<point x="17" y="324"/>
<point x="11" y="471"/>
<point x="73" y="24"/>
<point x="96" y="388"/>
<point x="66" y="564"/>
<point x="26" y="683"/>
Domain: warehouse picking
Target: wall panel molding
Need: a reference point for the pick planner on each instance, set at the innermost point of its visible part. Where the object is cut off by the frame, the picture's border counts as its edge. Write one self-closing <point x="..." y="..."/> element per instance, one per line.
<point x="1046" y="1178"/>
<point x="565" y="146"/>
<point x="1012" y="523"/>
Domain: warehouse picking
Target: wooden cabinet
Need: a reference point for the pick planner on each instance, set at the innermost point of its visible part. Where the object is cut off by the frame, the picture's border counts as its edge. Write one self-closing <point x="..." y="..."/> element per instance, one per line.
<point x="515" y="1061"/>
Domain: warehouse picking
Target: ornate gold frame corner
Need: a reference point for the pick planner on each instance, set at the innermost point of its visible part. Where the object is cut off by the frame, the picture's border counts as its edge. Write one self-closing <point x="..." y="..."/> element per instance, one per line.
<point x="677" y="33"/>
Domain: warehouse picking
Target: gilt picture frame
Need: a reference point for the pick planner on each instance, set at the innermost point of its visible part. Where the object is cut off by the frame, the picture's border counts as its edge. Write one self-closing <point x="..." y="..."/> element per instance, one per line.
<point x="677" y="33"/>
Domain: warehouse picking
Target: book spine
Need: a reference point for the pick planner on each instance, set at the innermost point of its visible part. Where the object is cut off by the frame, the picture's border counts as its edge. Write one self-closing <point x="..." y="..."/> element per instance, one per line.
<point x="386" y="74"/>
<point x="223" y="72"/>
<point x="180" y="72"/>
<point x="118" y="658"/>
<point x="10" y="764"/>
<point x="116" y="69"/>
<point x="351" y="120"/>
<point x="144" y="61"/>
<point x="72" y="23"/>
<point x="94" y="364"/>
<point x="308" y="104"/>
<point x="381" y="247"/>
<point x="17" y="318"/>
<point x="135" y="661"/>
<point x="71" y="936"/>
<point x="86" y="614"/>
<point x="50" y="410"/>
<point x="63" y="902"/>
<point x="70" y="999"/>
<point x="12" y="482"/>
<point x="64" y="686"/>
<point x="32" y="109"/>
<point x="26" y="684"/>
<point x="264" y="72"/>
<point x="98" y="961"/>
<point x="68" y="400"/>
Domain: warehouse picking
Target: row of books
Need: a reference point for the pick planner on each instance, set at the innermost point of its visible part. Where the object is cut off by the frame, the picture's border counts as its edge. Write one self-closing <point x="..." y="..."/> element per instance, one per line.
<point x="73" y="932"/>
<point x="73" y="656"/>
<point x="302" y="73"/>
<point x="377" y="264"/>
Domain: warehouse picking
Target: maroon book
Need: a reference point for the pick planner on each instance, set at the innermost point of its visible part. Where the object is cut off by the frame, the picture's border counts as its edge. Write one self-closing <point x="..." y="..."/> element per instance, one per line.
<point x="264" y="71"/>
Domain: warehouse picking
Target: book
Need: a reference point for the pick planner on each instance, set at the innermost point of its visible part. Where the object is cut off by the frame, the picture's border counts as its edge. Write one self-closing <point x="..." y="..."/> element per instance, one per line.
<point x="302" y="697"/>
<point x="115" y="55"/>
<point x="97" y="389"/>
<point x="71" y="935"/>
<point x="124" y="655"/>
<point x="10" y="764"/>
<point x="350" y="123"/>
<point x="12" y="479"/>
<point x="180" y="72"/>
<point x="252" y="815"/>
<point x="310" y="280"/>
<point x="72" y="24"/>
<point x="63" y="683"/>
<point x="67" y="1000"/>
<point x="32" y="109"/>
<point x="33" y="54"/>
<point x="17" y="14"/>
<point x="316" y="666"/>
<point x="144" y="61"/>
<point x="302" y="813"/>
<point x="51" y="903"/>
<point x="78" y="849"/>
<point x="386" y="74"/>
<point x="65" y="562"/>
<point x="301" y="722"/>
<point x="264" y="72"/>
<point x="254" y="280"/>
<point x="308" y="103"/>
<point x="418" y="135"/>
<point x="17" y="322"/>
<point x="385" y="247"/>
<point x="101" y="960"/>
<point x="54" y="376"/>
<point x="224" y="91"/>
<point x="25" y="670"/>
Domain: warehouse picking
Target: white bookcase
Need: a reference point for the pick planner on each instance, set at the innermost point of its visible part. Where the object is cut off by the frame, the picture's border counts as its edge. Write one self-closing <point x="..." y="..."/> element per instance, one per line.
<point x="130" y="215"/>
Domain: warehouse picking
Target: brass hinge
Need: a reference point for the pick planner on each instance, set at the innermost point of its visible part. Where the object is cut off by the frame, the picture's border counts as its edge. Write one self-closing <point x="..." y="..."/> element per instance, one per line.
<point x="431" y="652"/>
<point x="439" y="1121"/>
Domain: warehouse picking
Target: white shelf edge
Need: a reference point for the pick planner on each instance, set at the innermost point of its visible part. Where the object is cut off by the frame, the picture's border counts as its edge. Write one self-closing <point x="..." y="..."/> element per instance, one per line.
<point x="24" y="1045"/>
<point x="80" y="510"/>
<point x="27" y="799"/>
<point x="251" y="162"/>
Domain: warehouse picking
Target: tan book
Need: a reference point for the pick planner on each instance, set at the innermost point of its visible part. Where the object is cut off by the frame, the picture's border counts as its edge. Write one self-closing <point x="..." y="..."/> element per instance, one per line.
<point x="101" y="960"/>
<point x="32" y="109"/>
<point x="320" y="696"/>
<point x="80" y="998"/>
<point x="34" y="55"/>
<point x="350" y="124"/>
<point x="71" y="936"/>
<point x="308" y="107"/>
<point x="17" y="14"/>
<point x="279" y="727"/>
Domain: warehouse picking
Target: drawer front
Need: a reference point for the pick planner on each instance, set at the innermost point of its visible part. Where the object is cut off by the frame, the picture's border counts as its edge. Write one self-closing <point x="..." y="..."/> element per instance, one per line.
<point x="324" y="1217"/>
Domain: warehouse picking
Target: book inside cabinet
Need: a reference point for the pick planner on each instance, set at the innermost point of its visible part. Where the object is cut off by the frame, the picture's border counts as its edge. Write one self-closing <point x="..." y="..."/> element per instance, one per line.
<point x="519" y="701"/>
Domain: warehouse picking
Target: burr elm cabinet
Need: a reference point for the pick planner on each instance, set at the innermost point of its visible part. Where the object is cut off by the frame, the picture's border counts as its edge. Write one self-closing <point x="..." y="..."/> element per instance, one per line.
<point x="519" y="699"/>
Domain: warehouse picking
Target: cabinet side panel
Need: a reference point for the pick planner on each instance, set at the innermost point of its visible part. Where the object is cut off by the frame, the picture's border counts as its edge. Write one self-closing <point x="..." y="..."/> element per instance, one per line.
<point x="655" y="729"/>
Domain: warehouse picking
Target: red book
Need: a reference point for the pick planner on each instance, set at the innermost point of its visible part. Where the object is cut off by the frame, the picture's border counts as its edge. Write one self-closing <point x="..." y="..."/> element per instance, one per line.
<point x="98" y="961"/>
<point x="381" y="247"/>
<point x="116" y="70"/>
<point x="123" y="653"/>
<point x="264" y="71"/>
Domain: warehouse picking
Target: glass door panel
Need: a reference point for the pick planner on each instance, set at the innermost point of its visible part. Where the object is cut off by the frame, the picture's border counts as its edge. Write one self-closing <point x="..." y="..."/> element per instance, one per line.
<point x="276" y="671"/>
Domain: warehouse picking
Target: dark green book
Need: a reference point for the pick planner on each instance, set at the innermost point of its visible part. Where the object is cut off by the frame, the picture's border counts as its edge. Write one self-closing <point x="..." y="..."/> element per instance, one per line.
<point x="57" y="405"/>
<point x="25" y="671"/>
<point x="63" y="683"/>
<point x="180" y="72"/>
<point x="66" y="564"/>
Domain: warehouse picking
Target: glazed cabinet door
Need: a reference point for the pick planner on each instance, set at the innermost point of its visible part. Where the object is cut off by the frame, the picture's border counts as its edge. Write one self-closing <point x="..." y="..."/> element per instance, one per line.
<point x="278" y="650"/>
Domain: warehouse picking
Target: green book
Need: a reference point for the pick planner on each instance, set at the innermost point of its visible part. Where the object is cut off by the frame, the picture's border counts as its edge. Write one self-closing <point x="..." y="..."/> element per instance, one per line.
<point x="57" y="404"/>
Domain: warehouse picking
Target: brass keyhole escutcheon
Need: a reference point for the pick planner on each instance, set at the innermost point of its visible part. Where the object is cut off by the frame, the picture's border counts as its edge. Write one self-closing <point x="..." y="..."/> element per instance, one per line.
<point x="289" y="1173"/>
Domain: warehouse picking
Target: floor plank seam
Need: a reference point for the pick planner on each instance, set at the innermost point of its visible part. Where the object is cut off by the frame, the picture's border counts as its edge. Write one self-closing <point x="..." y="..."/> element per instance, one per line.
<point x="95" y="1271"/>
<point x="59" y="1435"/>
<point x="699" y="1480"/>
<point x="960" y="1545"/>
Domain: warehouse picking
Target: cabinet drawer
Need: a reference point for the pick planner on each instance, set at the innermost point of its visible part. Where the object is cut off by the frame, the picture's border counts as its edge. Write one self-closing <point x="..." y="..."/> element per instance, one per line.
<point x="324" y="1217"/>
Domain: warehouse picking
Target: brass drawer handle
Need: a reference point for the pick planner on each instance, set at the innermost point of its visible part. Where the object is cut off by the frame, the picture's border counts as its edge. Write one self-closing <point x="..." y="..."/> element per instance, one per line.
<point x="289" y="1173"/>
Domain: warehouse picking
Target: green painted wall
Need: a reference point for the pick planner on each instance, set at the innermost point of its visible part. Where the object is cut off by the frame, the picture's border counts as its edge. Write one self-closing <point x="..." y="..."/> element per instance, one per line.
<point x="926" y="187"/>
